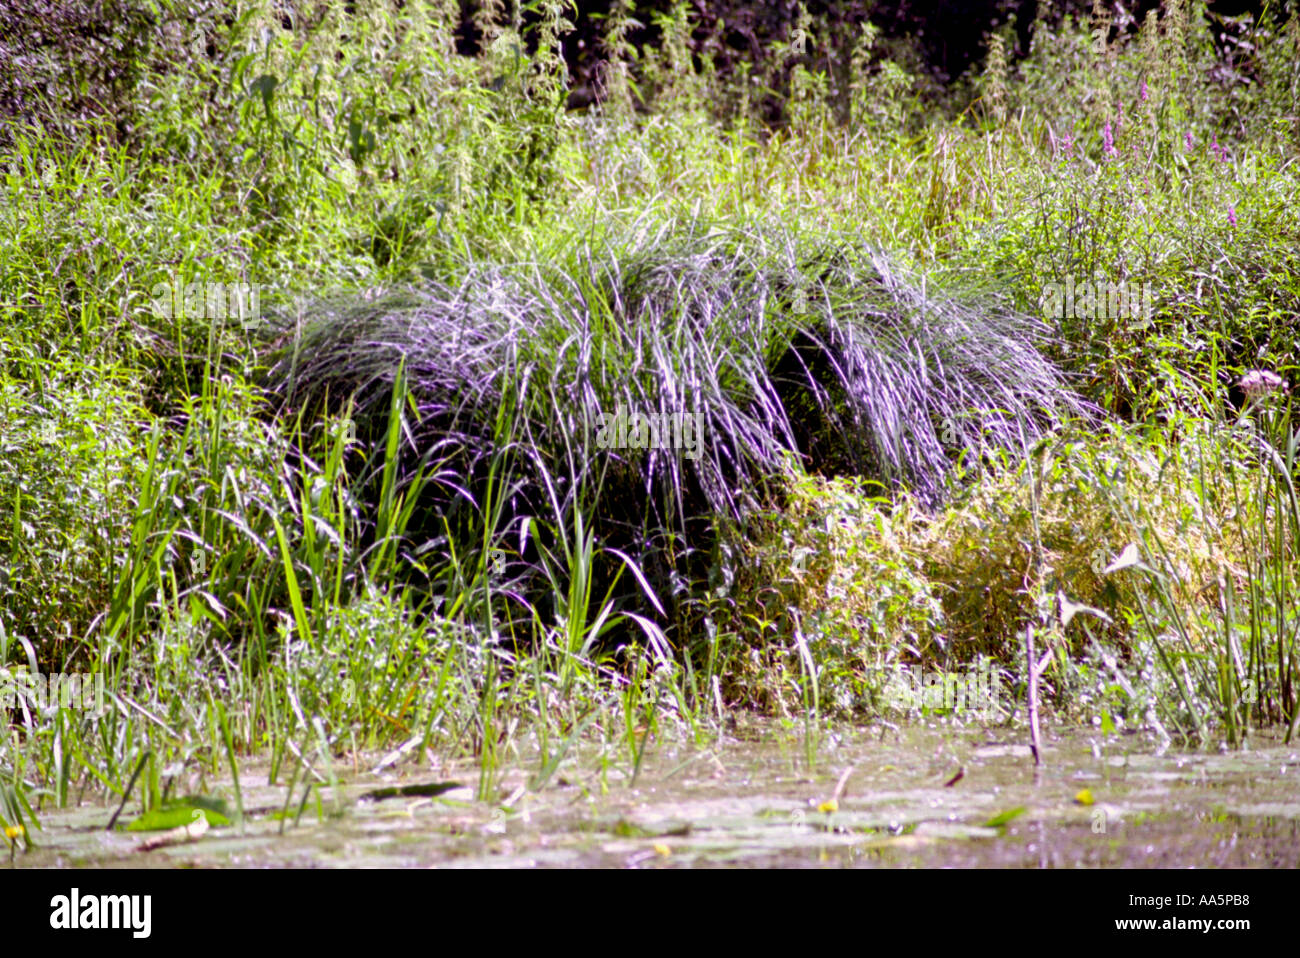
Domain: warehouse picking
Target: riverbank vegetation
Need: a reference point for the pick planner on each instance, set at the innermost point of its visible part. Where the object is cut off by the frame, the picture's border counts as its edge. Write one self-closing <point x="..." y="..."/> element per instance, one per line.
<point x="312" y="317"/>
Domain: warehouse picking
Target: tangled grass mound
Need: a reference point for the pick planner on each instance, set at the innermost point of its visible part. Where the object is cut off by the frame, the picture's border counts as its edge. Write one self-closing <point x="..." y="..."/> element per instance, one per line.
<point x="563" y="422"/>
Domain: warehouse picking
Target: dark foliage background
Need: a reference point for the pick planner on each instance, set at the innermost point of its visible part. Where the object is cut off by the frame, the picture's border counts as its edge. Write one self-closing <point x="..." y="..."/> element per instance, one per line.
<point x="75" y="60"/>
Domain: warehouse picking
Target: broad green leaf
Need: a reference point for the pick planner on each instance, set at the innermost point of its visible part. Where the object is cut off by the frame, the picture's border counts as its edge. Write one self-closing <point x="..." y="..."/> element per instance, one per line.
<point x="178" y="815"/>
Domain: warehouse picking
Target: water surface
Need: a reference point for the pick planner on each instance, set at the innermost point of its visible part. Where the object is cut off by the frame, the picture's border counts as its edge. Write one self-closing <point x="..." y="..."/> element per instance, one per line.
<point x="751" y="799"/>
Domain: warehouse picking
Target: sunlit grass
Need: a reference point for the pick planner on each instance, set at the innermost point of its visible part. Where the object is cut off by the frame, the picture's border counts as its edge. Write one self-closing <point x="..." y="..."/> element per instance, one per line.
<point x="380" y="522"/>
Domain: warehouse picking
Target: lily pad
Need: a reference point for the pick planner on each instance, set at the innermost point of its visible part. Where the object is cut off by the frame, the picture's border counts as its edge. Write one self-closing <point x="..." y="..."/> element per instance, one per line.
<point x="179" y="814"/>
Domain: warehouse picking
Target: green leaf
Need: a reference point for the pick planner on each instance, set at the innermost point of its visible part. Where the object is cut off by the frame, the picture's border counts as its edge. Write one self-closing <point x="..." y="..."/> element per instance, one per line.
<point x="997" y="821"/>
<point x="178" y="814"/>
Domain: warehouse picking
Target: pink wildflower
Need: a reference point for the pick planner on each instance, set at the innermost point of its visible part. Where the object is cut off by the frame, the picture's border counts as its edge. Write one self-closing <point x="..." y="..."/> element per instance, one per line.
<point x="1232" y="216"/>
<point x="1258" y="382"/>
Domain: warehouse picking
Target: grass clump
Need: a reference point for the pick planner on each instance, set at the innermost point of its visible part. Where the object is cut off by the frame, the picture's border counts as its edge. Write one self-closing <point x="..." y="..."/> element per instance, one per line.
<point x="70" y="438"/>
<point x="769" y="354"/>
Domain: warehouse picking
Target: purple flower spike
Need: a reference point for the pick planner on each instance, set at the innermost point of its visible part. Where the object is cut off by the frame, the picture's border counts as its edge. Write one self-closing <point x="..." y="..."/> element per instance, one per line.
<point x="1232" y="216"/>
<point x="1187" y="141"/>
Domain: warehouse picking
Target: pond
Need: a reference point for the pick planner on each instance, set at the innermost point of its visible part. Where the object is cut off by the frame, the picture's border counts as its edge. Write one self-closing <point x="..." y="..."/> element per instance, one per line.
<point x="907" y="796"/>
